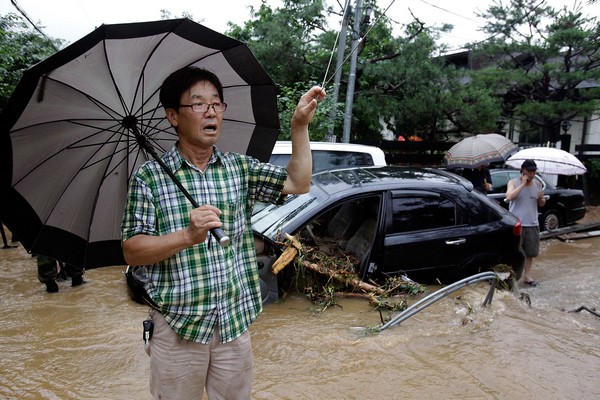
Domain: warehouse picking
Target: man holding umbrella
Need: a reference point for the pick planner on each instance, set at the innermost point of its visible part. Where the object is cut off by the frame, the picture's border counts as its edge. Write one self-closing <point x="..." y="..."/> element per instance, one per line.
<point x="205" y="296"/>
<point x="525" y="196"/>
<point x="480" y="177"/>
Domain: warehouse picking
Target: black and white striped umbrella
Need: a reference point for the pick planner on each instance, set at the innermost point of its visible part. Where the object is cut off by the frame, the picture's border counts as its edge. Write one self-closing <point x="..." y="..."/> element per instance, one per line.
<point x="67" y="143"/>
<point x="477" y="150"/>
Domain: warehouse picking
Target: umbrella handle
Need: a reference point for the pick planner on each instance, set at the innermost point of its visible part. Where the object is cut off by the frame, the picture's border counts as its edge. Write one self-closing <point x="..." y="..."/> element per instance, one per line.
<point x="217" y="233"/>
<point x="220" y="235"/>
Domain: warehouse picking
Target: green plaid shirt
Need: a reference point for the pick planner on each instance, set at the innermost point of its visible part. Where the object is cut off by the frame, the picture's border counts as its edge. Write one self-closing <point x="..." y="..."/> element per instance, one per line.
<point x="204" y="284"/>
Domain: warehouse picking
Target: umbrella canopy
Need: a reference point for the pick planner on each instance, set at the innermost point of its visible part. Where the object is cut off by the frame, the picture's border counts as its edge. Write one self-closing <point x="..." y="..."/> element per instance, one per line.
<point x="68" y="133"/>
<point x="479" y="150"/>
<point x="549" y="160"/>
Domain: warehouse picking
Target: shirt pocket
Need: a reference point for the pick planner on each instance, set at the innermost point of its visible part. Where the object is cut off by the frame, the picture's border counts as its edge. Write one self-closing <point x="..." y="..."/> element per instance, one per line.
<point x="233" y="218"/>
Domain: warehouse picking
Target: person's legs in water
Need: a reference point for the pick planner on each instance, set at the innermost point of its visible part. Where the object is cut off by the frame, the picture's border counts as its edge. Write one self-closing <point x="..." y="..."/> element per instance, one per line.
<point x="530" y="242"/>
<point x="76" y="274"/>
<point x="47" y="273"/>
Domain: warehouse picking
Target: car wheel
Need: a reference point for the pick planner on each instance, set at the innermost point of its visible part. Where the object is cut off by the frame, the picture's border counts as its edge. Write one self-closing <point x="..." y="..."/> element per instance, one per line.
<point x="551" y="220"/>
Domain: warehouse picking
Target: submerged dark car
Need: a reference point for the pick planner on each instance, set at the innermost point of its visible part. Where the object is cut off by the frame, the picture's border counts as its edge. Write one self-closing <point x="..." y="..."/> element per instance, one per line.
<point x="427" y="224"/>
<point x="563" y="206"/>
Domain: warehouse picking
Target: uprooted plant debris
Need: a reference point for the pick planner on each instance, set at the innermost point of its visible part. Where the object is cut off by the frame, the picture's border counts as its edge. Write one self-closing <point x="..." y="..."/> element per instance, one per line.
<point x="325" y="273"/>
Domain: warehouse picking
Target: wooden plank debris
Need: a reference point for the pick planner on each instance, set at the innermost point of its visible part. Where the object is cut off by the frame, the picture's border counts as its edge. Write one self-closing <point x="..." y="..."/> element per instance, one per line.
<point x="288" y="254"/>
<point x="578" y="235"/>
<point x="569" y="229"/>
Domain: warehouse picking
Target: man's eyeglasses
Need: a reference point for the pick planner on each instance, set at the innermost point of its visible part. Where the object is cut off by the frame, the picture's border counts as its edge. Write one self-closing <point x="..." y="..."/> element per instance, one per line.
<point x="203" y="107"/>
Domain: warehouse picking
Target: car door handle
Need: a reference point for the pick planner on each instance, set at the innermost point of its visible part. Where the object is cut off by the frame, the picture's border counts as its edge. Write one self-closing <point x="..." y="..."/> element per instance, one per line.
<point x="456" y="242"/>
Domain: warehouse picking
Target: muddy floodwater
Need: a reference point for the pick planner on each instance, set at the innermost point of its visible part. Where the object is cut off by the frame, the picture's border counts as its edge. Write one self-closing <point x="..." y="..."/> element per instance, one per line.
<point x="86" y="342"/>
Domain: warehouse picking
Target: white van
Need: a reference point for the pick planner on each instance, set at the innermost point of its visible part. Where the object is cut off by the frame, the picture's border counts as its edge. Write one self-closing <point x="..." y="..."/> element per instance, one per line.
<point x="328" y="155"/>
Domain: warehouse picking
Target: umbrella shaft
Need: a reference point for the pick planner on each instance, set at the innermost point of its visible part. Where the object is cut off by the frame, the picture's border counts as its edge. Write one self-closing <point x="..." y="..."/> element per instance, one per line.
<point x="217" y="233"/>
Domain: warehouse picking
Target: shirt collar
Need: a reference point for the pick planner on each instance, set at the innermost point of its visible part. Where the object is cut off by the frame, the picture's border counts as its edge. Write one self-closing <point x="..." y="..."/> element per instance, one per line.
<point x="174" y="160"/>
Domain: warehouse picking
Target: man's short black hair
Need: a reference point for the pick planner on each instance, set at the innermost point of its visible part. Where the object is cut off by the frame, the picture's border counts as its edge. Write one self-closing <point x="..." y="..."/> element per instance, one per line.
<point x="529" y="165"/>
<point x="181" y="80"/>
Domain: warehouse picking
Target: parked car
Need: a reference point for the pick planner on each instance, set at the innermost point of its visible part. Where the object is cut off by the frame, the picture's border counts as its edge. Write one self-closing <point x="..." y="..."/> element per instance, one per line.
<point x="563" y="206"/>
<point x="427" y="224"/>
<point x="328" y="155"/>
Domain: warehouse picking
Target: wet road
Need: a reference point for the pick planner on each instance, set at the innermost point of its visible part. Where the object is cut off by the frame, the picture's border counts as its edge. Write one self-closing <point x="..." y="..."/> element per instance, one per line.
<point x="86" y="342"/>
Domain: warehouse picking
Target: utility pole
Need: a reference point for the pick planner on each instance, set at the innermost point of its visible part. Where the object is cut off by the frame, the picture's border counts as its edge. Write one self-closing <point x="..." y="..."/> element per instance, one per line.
<point x="338" y="73"/>
<point x="357" y="37"/>
<point x="352" y="74"/>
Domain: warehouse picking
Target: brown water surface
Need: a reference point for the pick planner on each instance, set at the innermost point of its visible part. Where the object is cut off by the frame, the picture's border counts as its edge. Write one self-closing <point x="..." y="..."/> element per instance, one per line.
<point x="86" y="342"/>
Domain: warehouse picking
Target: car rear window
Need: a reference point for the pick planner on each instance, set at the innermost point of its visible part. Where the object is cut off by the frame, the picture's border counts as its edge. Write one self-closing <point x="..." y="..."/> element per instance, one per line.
<point x="328" y="159"/>
<point x="324" y="159"/>
<point x="279" y="159"/>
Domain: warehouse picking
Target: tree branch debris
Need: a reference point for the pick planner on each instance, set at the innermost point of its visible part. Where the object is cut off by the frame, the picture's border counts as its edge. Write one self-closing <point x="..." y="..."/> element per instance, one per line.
<point x="325" y="273"/>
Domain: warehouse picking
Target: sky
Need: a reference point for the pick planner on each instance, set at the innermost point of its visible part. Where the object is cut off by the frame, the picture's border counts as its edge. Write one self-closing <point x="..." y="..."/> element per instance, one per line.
<point x="72" y="19"/>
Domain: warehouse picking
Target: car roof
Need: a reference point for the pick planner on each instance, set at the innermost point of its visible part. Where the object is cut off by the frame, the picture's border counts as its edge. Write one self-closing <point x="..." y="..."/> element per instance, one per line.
<point x="334" y="181"/>
<point x="330" y="186"/>
<point x="377" y="155"/>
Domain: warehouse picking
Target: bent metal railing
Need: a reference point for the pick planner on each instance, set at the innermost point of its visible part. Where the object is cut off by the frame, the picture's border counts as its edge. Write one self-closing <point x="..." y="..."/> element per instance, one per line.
<point x="443" y="292"/>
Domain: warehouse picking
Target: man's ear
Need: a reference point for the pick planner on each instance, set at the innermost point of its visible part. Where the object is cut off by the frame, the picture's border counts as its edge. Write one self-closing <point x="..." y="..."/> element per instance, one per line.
<point x="171" y="115"/>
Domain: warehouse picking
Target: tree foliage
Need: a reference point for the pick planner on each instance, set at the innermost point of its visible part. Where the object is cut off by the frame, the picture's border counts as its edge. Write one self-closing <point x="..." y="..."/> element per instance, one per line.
<point x="536" y="68"/>
<point x="539" y="67"/>
<point x="545" y="61"/>
<point x="400" y="83"/>
<point x="283" y="40"/>
<point x="20" y="48"/>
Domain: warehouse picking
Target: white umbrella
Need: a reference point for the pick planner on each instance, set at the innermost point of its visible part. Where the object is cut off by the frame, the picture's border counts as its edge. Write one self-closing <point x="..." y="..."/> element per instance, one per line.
<point x="549" y="160"/>
<point x="479" y="150"/>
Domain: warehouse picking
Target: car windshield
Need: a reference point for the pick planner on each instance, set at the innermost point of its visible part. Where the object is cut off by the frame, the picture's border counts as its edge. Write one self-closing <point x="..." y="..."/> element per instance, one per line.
<point x="268" y="219"/>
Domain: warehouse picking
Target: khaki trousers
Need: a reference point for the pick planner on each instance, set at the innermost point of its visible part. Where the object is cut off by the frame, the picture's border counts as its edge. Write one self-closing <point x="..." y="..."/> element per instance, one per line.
<point x="181" y="370"/>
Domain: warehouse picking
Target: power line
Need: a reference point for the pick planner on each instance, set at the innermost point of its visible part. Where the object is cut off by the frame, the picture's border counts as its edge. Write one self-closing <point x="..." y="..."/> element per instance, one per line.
<point x="39" y="30"/>
<point x="448" y="11"/>
<point x="512" y="25"/>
